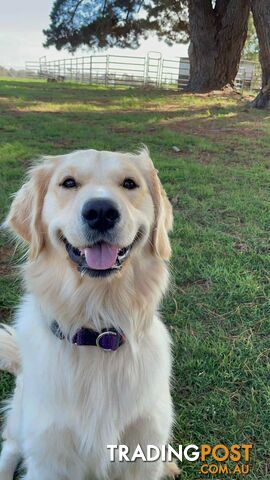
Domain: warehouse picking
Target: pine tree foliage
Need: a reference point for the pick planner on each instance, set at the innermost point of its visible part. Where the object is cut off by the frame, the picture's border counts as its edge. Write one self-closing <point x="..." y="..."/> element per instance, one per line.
<point x="110" y="23"/>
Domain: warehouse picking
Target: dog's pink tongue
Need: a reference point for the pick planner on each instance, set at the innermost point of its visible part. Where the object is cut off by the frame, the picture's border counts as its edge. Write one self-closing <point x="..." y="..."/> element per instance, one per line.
<point x="101" y="257"/>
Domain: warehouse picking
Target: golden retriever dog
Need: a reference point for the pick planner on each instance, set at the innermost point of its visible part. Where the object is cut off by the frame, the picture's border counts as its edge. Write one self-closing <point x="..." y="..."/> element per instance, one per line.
<point x="89" y="350"/>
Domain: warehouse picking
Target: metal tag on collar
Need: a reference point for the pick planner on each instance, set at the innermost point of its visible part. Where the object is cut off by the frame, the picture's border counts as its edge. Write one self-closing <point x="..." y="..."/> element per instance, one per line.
<point x="109" y="340"/>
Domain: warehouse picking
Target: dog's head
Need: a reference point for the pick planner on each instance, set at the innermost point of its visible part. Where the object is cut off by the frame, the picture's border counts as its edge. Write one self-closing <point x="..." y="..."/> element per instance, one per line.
<point x="100" y="208"/>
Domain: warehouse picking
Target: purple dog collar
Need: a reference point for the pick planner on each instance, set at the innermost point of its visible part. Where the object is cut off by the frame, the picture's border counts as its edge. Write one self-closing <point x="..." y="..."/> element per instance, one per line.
<point x="108" y="340"/>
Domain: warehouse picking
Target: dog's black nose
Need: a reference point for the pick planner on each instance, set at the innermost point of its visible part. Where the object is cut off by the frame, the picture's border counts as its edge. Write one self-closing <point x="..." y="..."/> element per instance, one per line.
<point x="100" y="214"/>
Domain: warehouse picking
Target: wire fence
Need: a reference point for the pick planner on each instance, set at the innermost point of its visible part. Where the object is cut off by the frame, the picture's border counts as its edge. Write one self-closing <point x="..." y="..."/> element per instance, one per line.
<point x="115" y="70"/>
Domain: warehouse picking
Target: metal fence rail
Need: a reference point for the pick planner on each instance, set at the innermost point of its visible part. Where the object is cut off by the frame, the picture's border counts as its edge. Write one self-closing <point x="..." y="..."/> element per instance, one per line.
<point x="114" y="70"/>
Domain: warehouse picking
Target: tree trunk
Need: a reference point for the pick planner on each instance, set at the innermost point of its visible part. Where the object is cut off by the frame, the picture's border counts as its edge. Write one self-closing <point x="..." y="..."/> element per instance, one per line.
<point x="261" y="15"/>
<point x="218" y="35"/>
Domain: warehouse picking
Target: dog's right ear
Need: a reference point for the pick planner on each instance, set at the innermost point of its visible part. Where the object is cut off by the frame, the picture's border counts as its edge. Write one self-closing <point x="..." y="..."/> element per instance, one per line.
<point x="24" y="218"/>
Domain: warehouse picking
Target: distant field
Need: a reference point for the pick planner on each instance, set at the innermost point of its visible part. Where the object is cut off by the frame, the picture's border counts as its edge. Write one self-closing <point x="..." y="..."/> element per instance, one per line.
<point x="218" y="306"/>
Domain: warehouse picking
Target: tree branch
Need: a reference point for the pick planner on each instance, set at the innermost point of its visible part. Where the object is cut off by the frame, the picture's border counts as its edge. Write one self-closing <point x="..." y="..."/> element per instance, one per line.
<point x="75" y="10"/>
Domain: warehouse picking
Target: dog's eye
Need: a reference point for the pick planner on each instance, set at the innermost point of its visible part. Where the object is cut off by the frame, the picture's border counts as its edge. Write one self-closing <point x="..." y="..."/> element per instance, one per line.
<point x="69" y="183"/>
<point x="129" y="184"/>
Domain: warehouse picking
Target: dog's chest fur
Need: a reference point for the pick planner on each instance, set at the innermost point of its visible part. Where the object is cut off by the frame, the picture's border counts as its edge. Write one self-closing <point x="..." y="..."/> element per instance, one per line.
<point x="85" y="396"/>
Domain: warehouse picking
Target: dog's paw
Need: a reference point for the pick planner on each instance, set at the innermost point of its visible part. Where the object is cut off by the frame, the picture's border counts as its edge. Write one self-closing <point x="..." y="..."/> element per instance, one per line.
<point x="172" y="470"/>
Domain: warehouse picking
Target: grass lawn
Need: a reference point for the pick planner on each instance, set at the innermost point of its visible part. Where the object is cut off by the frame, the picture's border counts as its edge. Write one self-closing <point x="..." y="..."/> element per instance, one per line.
<point x="218" y="306"/>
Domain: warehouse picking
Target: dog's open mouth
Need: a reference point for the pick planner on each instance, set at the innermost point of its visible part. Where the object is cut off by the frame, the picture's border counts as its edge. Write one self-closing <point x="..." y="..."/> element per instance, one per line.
<point x="98" y="260"/>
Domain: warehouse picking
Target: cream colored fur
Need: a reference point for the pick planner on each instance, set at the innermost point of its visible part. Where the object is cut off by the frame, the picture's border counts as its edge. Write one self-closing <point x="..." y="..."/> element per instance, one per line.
<point x="70" y="402"/>
<point x="9" y="353"/>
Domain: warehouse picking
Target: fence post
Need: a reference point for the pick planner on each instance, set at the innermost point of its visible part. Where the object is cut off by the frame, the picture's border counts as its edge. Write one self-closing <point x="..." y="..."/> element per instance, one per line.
<point x="91" y="70"/>
<point x="77" y="69"/>
<point x="160" y="62"/>
<point x="161" y="73"/>
<point x="82" y="69"/>
<point x="243" y="81"/>
<point x="72" y="69"/>
<point x="40" y="66"/>
<point x="107" y="70"/>
<point x="146" y="69"/>
<point x="144" y="72"/>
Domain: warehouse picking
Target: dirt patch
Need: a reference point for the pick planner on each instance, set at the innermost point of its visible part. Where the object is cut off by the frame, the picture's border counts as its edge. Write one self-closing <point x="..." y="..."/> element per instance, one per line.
<point x="201" y="283"/>
<point x="205" y="158"/>
<point x="5" y="270"/>
<point x="224" y="93"/>
<point x="10" y="111"/>
<point x="124" y="131"/>
<point x="211" y="128"/>
<point x="6" y="252"/>
<point x="64" y="142"/>
<point x="240" y="247"/>
<point x="6" y="267"/>
<point x="4" y="314"/>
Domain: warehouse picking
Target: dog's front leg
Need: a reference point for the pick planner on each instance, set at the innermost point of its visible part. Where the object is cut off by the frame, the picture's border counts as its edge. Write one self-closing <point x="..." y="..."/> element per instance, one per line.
<point x="51" y="455"/>
<point x="142" y="433"/>
<point x="45" y="471"/>
<point x="51" y="471"/>
<point x="11" y="450"/>
<point x="34" y="474"/>
<point x="10" y="457"/>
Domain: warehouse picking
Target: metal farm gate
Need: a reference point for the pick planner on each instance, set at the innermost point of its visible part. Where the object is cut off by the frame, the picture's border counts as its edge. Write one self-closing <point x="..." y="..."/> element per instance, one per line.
<point x="116" y="70"/>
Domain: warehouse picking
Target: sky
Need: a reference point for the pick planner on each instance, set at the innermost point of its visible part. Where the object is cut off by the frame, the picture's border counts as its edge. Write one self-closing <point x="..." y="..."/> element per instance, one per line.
<point x="21" y="37"/>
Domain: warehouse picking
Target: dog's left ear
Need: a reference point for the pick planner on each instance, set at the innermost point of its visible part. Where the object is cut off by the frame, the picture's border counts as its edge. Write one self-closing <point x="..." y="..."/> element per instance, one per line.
<point x="163" y="218"/>
<point x="163" y="209"/>
<point x="24" y="218"/>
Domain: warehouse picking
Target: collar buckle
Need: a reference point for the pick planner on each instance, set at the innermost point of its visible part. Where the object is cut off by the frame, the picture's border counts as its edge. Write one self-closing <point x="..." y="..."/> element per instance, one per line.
<point x="109" y="340"/>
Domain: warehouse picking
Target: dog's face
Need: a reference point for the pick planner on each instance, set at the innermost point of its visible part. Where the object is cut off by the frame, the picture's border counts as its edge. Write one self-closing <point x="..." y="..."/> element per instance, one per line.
<point x="101" y="208"/>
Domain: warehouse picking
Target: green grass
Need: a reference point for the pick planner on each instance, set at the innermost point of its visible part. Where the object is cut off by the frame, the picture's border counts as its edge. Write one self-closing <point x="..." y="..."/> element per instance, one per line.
<point x="218" y="307"/>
